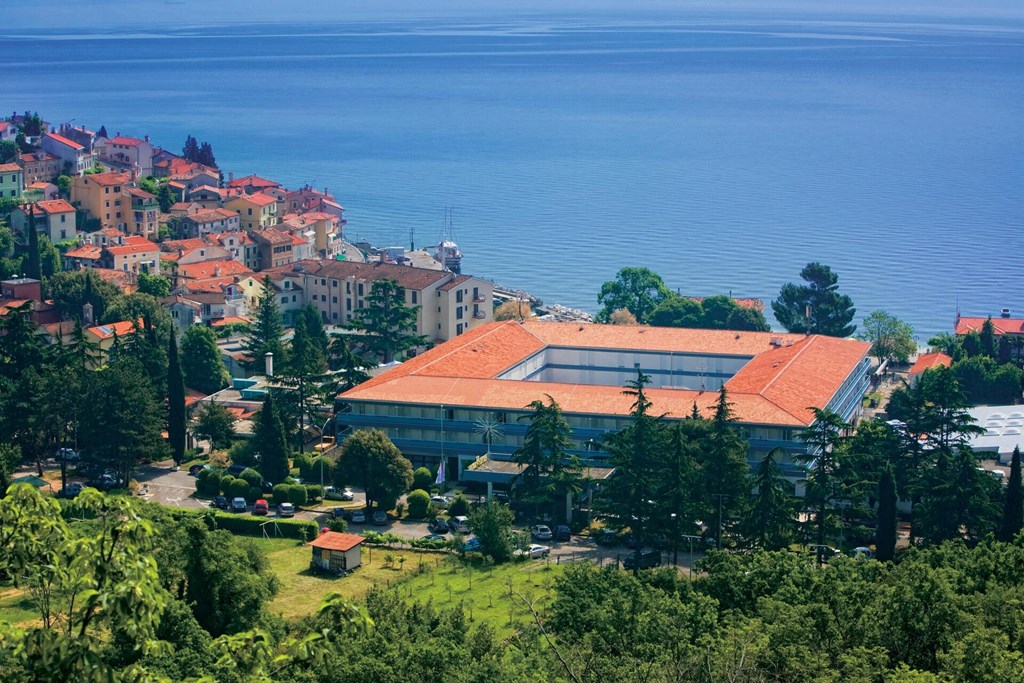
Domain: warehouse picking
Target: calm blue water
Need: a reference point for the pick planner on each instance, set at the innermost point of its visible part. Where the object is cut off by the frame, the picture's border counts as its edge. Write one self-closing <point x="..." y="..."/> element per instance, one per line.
<point x="723" y="154"/>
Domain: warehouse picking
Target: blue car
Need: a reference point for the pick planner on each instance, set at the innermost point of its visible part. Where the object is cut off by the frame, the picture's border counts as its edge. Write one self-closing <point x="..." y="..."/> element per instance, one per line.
<point x="473" y="545"/>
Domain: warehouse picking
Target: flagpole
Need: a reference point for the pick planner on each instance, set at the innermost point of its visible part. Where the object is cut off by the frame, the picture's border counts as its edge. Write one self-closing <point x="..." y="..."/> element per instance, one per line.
<point x="444" y="482"/>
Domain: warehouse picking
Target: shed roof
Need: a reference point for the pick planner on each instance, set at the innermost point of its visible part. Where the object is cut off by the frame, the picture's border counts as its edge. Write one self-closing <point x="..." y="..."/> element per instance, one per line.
<point x="334" y="540"/>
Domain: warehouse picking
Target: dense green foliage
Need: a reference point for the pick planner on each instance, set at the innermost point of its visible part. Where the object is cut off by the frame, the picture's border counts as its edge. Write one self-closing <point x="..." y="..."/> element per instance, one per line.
<point x="266" y="333"/>
<point x="175" y="403"/>
<point x="271" y="440"/>
<point x="816" y="307"/>
<point x="890" y="337"/>
<point x="201" y="361"/>
<point x="718" y="312"/>
<point x="638" y="290"/>
<point x="370" y="460"/>
<point x="388" y="323"/>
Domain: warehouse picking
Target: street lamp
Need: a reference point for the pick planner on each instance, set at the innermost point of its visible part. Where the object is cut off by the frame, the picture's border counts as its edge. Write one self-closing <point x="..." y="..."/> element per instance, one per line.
<point x="691" y="539"/>
<point x="322" y="430"/>
<point x="675" y="539"/>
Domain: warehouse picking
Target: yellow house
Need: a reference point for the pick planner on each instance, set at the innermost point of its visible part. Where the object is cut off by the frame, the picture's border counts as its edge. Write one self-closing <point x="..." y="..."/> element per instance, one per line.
<point x="255" y="211"/>
<point x="103" y="337"/>
<point x="103" y="196"/>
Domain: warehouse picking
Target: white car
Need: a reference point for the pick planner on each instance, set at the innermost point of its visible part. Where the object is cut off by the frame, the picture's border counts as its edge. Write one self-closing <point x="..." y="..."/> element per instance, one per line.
<point x="541" y="532"/>
<point x="535" y="552"/>
<point x="440" y="501"/>
<point x="286" y="510"/>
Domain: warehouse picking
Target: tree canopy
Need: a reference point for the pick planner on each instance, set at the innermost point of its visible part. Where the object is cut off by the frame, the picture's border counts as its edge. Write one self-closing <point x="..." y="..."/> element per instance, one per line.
<point x="816" y="307"/>
<point x="369" y="459"/>
<point x="890" y="337"/>
<point x="639" y="290"/>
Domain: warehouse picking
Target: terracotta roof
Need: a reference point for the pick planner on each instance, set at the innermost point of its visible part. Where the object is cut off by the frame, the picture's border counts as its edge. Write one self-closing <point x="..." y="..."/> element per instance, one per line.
<point x="455" y="282"/>
<point x="105" y="179"/>
<point x="32" y="157"/>
<point x="134" y="247"/>
<point x="929" y="360"/>
<point x="219" y="268"/>
<point x="192" y="243"/>
<point x="999" y="325"/>
<point x="141" y="194"/>
<point x="184" y="206"/>
<point x="10" y="168"/>
<point x="40" y="185"/>
<point x="212" y="215"/>
<point x="252" y="181"/>
<point x="259" y="199"/>
<point x="55" y="206"/>
<point x="783" y="376"/>
<point x="121" y="329"/>
<point x="64" y="141"/>
<point x="273" y="236"/>
<point x="333" y="540"/>
<point x="229" y="320"/>
<point x="86" y="251"/>
<point x="8" y="305"/>
<point x="126" y="141"/>
<point x="213" y="284"/>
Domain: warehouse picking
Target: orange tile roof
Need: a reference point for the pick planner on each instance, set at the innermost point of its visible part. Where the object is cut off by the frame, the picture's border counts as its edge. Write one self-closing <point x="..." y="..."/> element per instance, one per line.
<point x="121" y="329"/>
<point x="213" y="284"/>
<point x="64" y="141"/>
<point x="191" y="243"/>
<point x="86" y="251"/>
<point x="252" y="181"/>
<point x="141" y="194"/>
<point x="126" y="141"/>
<point x="334" y="540"/>
<point x="56" y="206"/>
<point x="10" y="168"/>
<point x="229" y="320"/>
<point x="258" y="199"/>
<point x="999" y="325"/>
<point x="273" y="236"/>
<point x="219" y="268"/>
<point x="133" y="246"/>
<point x="785" y="374"/>
<point x="104" y="179"/>
<point x="929" y="360"/>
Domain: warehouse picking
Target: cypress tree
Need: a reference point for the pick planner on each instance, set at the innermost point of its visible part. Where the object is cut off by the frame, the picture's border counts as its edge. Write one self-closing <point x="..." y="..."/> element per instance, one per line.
<point x="272" y="442"/>
<point x="1013" y="508"/>
<point x="266" y="331"/>
<point x="885" y="539"/>
<point x="175" y="403"/>
<point x="33" y="268"/>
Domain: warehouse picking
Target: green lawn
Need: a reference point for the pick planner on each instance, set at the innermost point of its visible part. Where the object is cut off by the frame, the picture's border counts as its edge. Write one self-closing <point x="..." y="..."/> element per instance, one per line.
<point x="495" y="595"/>
<point x="16" y="607"/>
<point x="483" y="592"/>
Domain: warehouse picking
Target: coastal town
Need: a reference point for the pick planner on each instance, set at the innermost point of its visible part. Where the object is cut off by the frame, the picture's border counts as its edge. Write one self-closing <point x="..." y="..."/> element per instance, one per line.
<point x="210" y="346"/>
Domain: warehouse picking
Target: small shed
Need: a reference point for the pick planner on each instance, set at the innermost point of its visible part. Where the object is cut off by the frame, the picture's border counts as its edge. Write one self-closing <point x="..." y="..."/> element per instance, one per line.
<point x="335" y="552"/>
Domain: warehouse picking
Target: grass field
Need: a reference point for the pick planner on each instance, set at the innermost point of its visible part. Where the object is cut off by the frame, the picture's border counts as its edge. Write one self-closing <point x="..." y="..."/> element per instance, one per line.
<point x="16" y="607"/>
<point x="492" y="594"/>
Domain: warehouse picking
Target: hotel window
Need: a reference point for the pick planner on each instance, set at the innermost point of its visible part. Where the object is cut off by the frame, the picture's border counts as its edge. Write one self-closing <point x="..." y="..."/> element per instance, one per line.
<point x="458" y="296"/>
<point x="359" y="290"/>
<point x="414" y="297"/>
<point x="458" y="313"/>
<point x="334" y="283"/>
<point x="334" y="299"/>
<point x="348" y="287"/>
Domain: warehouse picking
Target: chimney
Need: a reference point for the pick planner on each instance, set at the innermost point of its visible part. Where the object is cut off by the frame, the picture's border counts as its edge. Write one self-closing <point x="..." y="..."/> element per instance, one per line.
<point x="231" y="176"/>
<point x="269" y="363"/>
<point x="118" y="134"/>
<point x="87" y="313"/>
<point x="217" y="271"/>
<point x="146" y="138"/>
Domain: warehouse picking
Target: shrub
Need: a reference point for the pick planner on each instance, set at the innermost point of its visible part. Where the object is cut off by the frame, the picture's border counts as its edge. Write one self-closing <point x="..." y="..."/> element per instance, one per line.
<point x="201" y="486"/>
<point x="459" y="506"/>
<point x="251" y="477"/>
<point x="328" y="469"/>
<point x="314" y="492"/>
<point x="297" y="495"/>
<point x="422" y="479"/>
<point x="213" y="478"/>
<point x="252" y="526"/>
<point x="239" y="488"/>
<point x="280" y="493"/>
<point x="304" y="463"/>
<point x="254" y="493"/>
<point x="419" y="503"/>
<point x="225" y="484"/>
<point x="243" y="453"/>
<point x="337" y="524"/>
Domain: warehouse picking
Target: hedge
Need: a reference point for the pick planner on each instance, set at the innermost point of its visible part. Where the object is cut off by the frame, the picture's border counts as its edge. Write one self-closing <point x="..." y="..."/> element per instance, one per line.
<point x="250" y="526"/>
<point x="419" y="503"/>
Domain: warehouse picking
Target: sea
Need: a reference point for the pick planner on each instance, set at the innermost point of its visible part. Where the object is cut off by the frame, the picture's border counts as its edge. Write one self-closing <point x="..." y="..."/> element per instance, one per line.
<point x="722" y="150"/>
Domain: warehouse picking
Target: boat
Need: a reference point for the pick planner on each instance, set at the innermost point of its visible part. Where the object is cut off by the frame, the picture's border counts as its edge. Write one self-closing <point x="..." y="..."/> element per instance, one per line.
<point x="446" y="251"/>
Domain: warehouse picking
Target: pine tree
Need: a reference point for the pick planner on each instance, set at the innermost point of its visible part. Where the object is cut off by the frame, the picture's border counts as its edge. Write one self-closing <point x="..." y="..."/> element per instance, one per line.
<point x="389" y="324"/>
<point x="191" y="149"/>
<point x="201" y="361"/>
<point x="175" y="403"/>
<point x="989" y="345"/>
<point x="1013" y="507"/>
<point x="724" y="480"/>
<point x="102" y="132"/>
<point x="548" y="467"/>
<point x="885" y="539"/>
<point x="33" y="267"/>
<point x="205" y="155"/>
<point x="271" y="440"/>
<point x="266" y="331"/>
<point x="823" y="439"/>
<point x="770" y="520"/>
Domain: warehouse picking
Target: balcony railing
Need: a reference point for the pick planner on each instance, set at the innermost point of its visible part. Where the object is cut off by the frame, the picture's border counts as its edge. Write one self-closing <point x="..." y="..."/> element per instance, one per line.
<point x="479" y="314"/>
<point x="479" y="298"/>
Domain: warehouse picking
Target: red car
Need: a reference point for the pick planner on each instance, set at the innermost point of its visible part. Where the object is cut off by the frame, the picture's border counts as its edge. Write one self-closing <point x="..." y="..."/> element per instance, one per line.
<point x="260" y="507"/>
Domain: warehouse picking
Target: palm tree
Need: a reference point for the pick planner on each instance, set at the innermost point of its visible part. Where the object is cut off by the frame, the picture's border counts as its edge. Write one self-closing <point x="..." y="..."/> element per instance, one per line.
<point x="490" y="428"/>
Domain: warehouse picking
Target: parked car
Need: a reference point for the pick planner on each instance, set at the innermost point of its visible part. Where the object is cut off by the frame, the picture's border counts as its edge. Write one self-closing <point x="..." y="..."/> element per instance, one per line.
<point x="434" y="537"/>
<point x="194" y="470"/>
<point x="606" y="537"/>
<point x="460" y="523"/>
<point x="536" y="552"/>
<point x="220" y="502"/>
<point x="642" y="559"/>
<point x="359" y="517"/>
<point x="347" y="495"/>
<point x="380" y="518"/>
<point x="473" y="545"/>
<point x="238" y="505"/>
<point x="286" y="510"/>
<point x="862" y="553"/>
<point x="235" y="470"/>
<point x="109" y="480"/>
<point x="333" y="493"/>
<point x="563" y="533"/>
<point x="440" y="501"/>
<point x="438" y="526"/>
<point x="340" y="513"/>
<point x="260" y="507"/>
<point x="67" y="454"/>
<point x="541" y="532"/>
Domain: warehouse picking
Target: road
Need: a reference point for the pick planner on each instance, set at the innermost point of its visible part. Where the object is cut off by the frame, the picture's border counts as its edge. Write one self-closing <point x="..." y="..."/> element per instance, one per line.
<point x="166" y="486"/>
